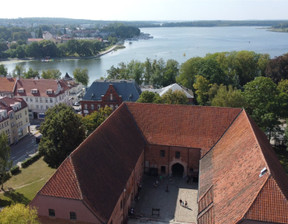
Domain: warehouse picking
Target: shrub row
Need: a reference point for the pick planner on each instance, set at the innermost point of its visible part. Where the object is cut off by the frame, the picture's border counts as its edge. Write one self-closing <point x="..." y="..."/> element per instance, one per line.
<point x="15" y="170"/>
<point x="31" y="160"/>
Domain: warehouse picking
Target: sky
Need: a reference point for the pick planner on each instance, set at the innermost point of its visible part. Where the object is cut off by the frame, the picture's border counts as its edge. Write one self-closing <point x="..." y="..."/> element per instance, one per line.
<point x="147" y="10"/>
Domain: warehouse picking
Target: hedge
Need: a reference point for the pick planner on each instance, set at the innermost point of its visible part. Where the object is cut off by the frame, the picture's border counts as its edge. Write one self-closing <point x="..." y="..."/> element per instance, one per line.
<point x="31" y="160"/>
<point x="15" y="170"/>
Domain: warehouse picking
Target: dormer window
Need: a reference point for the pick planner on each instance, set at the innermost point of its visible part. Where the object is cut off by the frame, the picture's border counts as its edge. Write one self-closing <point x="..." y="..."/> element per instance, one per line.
<point x="21" y="90"/>
<point x="49" y="91"/>
<point x="34" y="91"/>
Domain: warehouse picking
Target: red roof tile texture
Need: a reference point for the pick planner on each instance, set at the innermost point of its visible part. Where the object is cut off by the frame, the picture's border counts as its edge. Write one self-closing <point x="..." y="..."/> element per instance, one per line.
<point x="7" y="84"/>
<point x="42" y="85"/>
<point x="102" y="165"/>
<point x="230" y="189"/>
<point x="182" y="125"/>
<point x="236" y="162"/>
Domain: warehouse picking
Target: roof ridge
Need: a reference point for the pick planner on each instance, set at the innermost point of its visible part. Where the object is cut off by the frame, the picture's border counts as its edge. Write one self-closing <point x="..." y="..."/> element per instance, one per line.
<point x="222" y="134"/>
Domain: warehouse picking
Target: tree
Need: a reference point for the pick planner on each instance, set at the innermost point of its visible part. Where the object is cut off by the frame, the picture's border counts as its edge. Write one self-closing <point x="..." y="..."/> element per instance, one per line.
<point x="62" y="131"/>
<point x="18" y="71"/>
<point x="277" y="68"/>
<point x="149" y="97"/>
<point x="51" y="74"/>
<point x="92" y="121"/>
<point x="5" y="162"/>
<point x="81" y="75"/>
<point x="31" y="74"/>
<point x="228" y="97"/>
<point x="282" y="87"/>
<point x="3" y="70"/>
<point x="261" y="96"/>
<point x="176" y="97"/>
<point x="19" y="214"/>
<point x="201" y="87"/>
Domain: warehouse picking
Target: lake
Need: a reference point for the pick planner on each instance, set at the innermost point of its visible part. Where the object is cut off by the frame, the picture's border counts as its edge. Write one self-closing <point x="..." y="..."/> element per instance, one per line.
<point x="179" y="43"/>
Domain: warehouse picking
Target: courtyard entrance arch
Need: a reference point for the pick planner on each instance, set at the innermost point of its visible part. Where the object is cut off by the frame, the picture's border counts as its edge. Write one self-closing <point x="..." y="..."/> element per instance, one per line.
<point x="177" y="170"/>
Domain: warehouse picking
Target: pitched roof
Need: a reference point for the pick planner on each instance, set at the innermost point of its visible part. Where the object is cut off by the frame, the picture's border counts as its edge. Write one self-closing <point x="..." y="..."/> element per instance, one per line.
<point x="173" y="87"/>
<point x="231" y="188"/>
<point x="7" y="102"/>
<point x="128" y="89"/>
<point x="231" y="170"/>
<point x="182" y="125"/>
<point x="42" y="85"/>
<point x="101" y="190"/>
<point x="7" y="84"/>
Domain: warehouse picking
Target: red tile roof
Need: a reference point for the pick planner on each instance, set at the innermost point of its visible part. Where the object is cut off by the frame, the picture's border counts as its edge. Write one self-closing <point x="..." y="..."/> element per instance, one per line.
<point x="42" y="85"/>
<point x="97" y="166"/>
<point x="7" y="84"/>
<point x="182" y="125"/>
<point x="5" y="103"/>
<point x="232" y="169"/>
<point x="230" y="189"/>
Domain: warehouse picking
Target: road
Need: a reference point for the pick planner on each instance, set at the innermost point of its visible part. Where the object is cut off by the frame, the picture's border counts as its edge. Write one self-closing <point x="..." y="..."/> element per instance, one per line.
<point x="24" y="148"/>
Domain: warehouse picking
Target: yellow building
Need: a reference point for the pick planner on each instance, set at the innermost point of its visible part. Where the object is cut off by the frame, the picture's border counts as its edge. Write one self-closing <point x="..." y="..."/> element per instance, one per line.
<point x="14" y="118"/>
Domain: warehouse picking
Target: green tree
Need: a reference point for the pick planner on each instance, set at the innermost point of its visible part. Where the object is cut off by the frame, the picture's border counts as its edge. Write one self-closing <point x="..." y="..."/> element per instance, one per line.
<point x="135" y="71"/>
<point x="19" y="214"/>
<point x="147" y="72"/>
<point x="51" y="74"/>
<point x="3" y="70"/>
<point x="149" y="97"/>
<point x="33" y="50"/>
<point x="18" y="71"/>
<point x="62" y="131"/>
<point x="31" y="74"/>
<point x="5" y="162"/>
<point x="282" y="87"/>
<point x="261" y="96"/>
<point x="81" y="75"/>
<point x="92" y="121"/>
<point x="228" y="97"/>
<point x="171" y="71"/>
<point x="176" y="97"/>
<point x="201" y="87"/>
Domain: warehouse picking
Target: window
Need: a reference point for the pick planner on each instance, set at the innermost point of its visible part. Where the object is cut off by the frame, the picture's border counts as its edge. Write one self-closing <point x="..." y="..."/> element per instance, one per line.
<point x="162" y="153"/>
<point x="51" y="100"/>
<point x="73" y="216"/>
<point x="98" y="106"/>
<point x="92" y="107"/>
<point x="85" y="106"/>
<point x="177" y="155"/>
<point x="36" y="99"/>
<point x="111" y="96"/>
<point x="51" y="212"/>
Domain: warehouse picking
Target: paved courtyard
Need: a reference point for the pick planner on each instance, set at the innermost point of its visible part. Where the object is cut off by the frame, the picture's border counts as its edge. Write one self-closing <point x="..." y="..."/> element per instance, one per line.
<point x="168" y="202"/>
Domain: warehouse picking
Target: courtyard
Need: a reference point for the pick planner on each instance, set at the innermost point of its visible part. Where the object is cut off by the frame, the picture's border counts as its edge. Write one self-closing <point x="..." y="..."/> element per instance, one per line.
<point x="159" y="201"/>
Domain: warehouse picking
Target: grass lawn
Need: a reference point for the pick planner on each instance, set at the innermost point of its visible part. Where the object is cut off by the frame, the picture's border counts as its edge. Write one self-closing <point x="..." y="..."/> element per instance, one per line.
<point x="23" y="187"/>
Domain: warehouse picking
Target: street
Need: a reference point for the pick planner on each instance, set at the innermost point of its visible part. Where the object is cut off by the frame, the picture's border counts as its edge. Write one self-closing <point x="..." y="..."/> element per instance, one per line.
<point x="24" y="148"/>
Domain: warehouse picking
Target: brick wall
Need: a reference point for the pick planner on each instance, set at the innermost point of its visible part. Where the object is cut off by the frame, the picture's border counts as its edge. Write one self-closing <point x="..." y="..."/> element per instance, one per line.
<point x="159" y="156"/>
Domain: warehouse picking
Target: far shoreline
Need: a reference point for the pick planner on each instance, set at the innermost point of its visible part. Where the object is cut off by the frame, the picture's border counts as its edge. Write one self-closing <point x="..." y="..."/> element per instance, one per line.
<point x="112" y="48"/>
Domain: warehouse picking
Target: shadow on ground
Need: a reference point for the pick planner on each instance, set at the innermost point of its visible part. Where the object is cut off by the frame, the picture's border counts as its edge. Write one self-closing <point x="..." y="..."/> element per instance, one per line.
<point x="15" y="197"/>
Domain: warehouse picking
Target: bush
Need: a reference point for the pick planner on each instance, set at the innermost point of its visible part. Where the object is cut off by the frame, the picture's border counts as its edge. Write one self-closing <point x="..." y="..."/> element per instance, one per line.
<point x="15" y="170"/>
<point x="31" y="160"/>
<point x="6" y="177"/>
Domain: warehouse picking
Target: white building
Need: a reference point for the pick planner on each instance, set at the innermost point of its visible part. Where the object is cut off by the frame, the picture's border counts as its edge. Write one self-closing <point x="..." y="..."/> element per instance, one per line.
<point x="41" y="94"/>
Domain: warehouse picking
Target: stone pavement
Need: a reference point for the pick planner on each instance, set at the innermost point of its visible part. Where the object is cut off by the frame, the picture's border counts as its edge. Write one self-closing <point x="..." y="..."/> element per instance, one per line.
<point x="168" y="202"/>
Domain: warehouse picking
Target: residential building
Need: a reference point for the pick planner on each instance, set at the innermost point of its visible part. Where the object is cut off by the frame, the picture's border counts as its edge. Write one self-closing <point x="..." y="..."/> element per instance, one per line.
<point x="240" y="177"/>
<point x="41" y="94"/>
<point x="173" y="87"/>
<point x="7" y="85"/>
<point x="109" y="93"/>
<point x="14" y="119"/>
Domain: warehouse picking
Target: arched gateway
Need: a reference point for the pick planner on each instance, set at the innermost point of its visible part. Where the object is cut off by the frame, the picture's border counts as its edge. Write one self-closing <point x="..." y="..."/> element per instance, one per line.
<point x="178" y="170"/>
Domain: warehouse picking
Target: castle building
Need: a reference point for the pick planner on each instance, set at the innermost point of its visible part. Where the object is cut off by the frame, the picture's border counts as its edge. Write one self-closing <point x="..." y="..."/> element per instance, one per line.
<point x="240" y="177"/>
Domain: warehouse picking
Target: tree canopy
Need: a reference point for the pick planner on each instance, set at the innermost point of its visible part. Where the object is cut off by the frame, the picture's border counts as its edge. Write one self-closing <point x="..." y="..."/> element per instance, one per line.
<point x="51" y="74"/>
<point x="81" y="75"/>
<point x="62" y="132"/>
<point x="92" y="121"/>
<point x="5" y="162"/>
<point x="19" y="214"/>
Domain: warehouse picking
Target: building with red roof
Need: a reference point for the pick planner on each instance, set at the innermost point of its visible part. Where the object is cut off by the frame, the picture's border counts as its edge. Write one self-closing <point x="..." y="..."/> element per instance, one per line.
<point x="41" y="94"/>
<point x="7" y="85"/>
<point x="14" y="119"/>
<point x="240" y="177"/>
